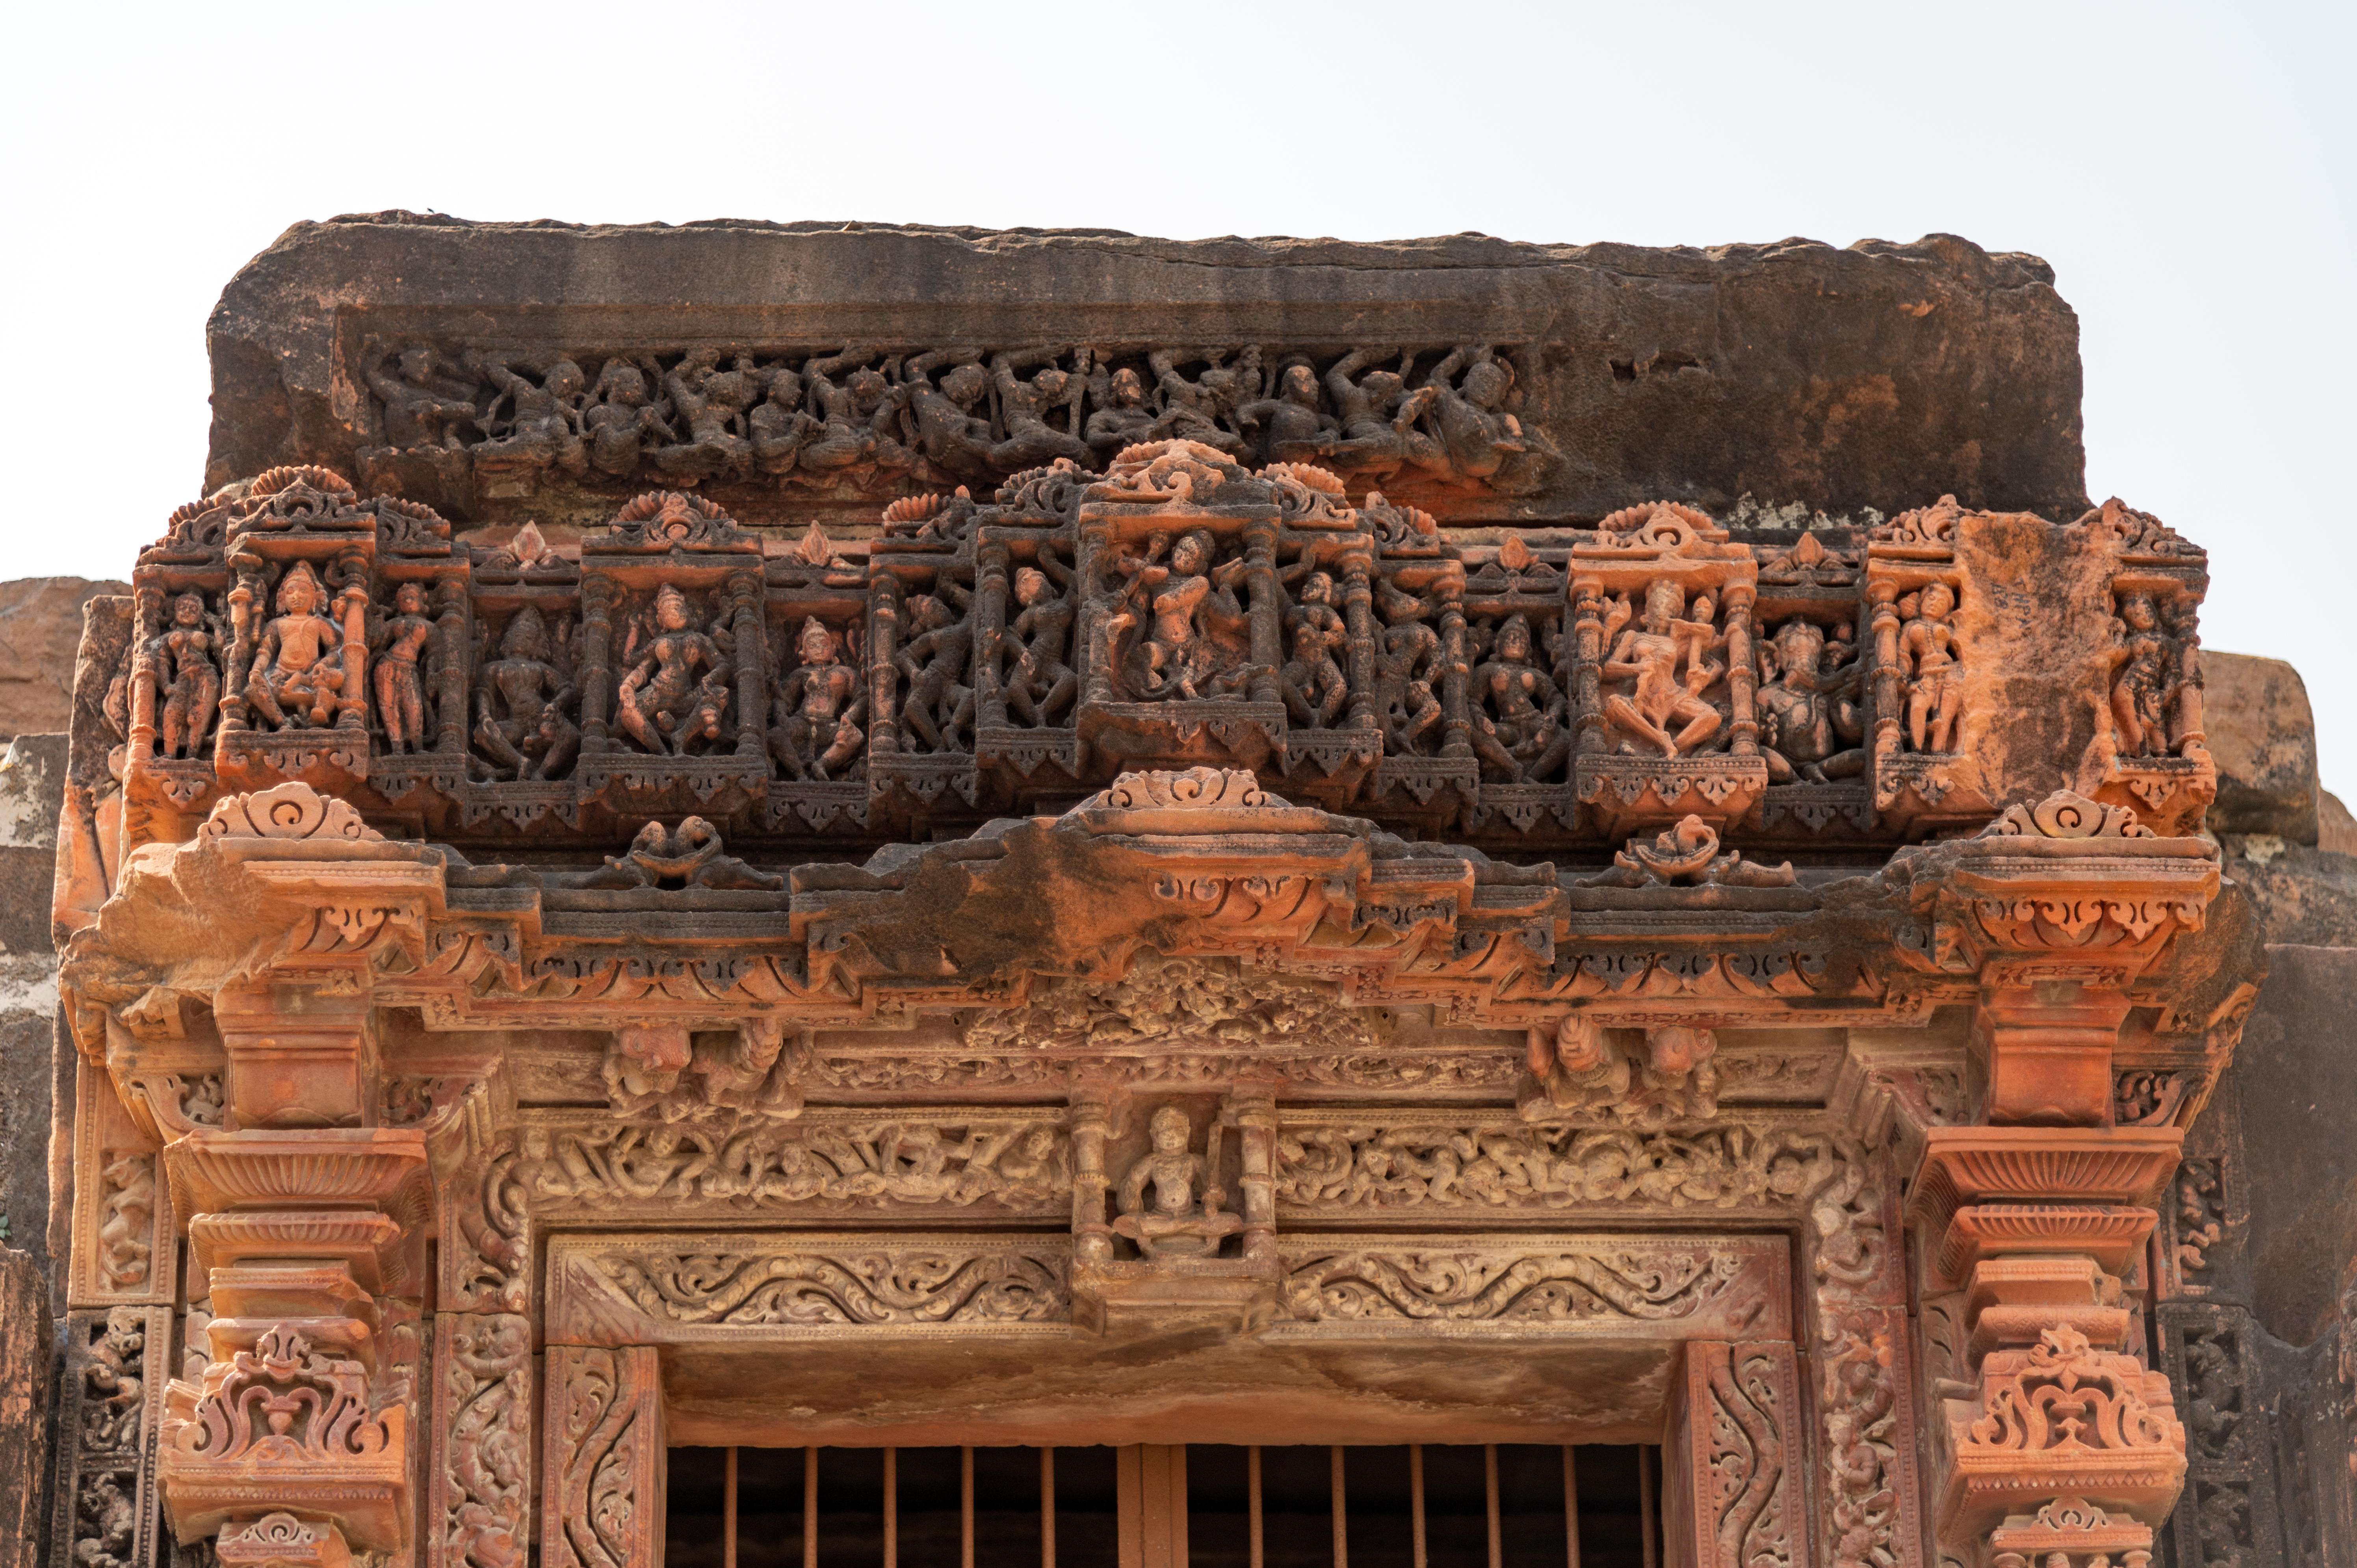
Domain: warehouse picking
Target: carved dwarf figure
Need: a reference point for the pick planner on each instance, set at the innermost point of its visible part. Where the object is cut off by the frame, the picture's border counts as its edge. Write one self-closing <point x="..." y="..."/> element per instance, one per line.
<point x="181" y="661"/>
<point x="1807" y="712"/>
<point x="114" y="1388"/>
<point x="947" y="433"/>
<point x="820" y="707"/>
<point x="1927" y="658"/>
<point x="421" y="409"/>
<point x="1122" y="417"/>
<point x="1379" y="417"/>
<point x="130" y="1210"/>
<point x="662" y="704"/>
<point x="521" y="721"/>
<point x="779" y="427"/>
<point x="298" y="667"/>
<point x="621" y="419"/>
<point x="1649" y="654"/>
<point x="400" y="694"/>
<point x="1295" y="428"/>
<point x="1170" y="1200"/>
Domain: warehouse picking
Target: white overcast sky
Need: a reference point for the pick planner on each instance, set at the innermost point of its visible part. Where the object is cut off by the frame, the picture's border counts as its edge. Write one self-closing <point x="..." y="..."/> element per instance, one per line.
<point x="2189" y="170"/>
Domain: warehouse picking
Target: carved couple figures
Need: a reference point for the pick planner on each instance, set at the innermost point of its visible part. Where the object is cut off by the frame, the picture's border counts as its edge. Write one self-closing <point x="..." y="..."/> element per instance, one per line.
<point x="1198" y="633"/>
<point x="1037" y="683"/>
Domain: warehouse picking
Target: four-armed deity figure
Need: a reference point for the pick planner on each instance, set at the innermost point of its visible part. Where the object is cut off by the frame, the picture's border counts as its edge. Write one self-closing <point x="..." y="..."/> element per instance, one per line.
<point x="1649" y="653"/>
<point x="662" y="704"/>
<point x="1170" y="1200"/>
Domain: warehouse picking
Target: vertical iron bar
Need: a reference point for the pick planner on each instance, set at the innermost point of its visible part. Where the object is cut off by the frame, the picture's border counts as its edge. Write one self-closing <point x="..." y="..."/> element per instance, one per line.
<point x="1253" y="1471"/>
<point x="1645" y="1497"/>
<point x="1570" y="1509"/>
<point x="1046" y="1507"/>
<point x="1489" y="1493"/>
<point x="892" y="1509"/>
<point x="965" y="1507"/>
<point x="729" y="1513"/>
<point x="810" y="1508"/>
<point x="1341" y="1518"/>
<point x="1415" y="1501"/>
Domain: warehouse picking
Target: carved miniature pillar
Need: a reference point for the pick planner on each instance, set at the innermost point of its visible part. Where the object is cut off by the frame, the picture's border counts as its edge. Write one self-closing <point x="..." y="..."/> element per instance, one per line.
<point x="350" y="571"/>
<point x="1889" y="697"/>
<point x="1456" y="698"/>
<point x="1587" y="687"/>
<point x="883" y="677"/>
<point x="603" y="1464"/>
<point x="1359" y="617"/>
<point x="1731" y="1492"/>
<point x="144" y="631"/>
<point x="1267" y="614"/>
<point x="600" y="595"/>
<point x="1252" y="1111"/>
<point x="743" y="593"/>
<point x="243" y="597"/>
<point x="989" y="626"/>
<point x="1092" y="1232"/>
<point x="1092" y="653"/>
<point x="450" y="682"/>
<point x="1742" y="674"/>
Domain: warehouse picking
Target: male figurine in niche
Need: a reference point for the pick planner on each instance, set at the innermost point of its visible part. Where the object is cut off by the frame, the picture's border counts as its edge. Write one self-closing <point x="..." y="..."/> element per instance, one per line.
<point x="1160" y="1208"/>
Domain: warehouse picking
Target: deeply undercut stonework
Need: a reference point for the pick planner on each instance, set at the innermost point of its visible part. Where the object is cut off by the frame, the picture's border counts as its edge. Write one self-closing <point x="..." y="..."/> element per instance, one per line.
<point x="1261" y="831"/>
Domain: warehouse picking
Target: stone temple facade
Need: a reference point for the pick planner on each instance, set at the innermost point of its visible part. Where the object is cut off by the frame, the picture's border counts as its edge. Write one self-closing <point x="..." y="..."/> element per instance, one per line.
<point x="770" y="893"/>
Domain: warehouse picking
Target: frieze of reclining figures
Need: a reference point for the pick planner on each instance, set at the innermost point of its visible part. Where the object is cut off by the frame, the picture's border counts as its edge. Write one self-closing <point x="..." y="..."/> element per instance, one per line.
<point x="484" y="424"/>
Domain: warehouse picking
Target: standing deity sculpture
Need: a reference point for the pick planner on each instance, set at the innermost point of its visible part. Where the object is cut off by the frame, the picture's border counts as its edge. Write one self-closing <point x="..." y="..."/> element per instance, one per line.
<point x="400" y="645"/>
<point x="1039" y="684"/>
<point x="937" y="663"/>
<point x="1648" y="655"/>
<point x="2146" y="680"/>
<point x="183" y="664"/>
<point x="1314" y="687"/>
<point x="821" y="705"/>
<point x="1409" y="660"/>
<point x="521" y="725"/>
<point x="1928" y="661"/>
<point x="677" y="694"/>
<point x="1170" y="1200"/>
<point x="298" y="673"/>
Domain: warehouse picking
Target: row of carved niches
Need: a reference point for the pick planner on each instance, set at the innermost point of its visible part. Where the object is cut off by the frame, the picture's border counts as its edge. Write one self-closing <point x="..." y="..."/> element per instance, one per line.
<point x="1532" y="690"/>
<point x="475" y="429"/>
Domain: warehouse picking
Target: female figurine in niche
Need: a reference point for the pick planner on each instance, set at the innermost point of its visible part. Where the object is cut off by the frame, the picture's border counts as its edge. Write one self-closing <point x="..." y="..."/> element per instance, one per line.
<point x="661" y="703"/>
<point x="1648" y="655"/>
<point x="1313" y="683"/>
<point x="1170" y="1200"/>
<point x="819" y="708"/>
<point x="298" y="664"/>
<point x="1040" y="685"/>
<point x="1522" y="732"/>
<point x="532" y="738"/>
<point x="1927" y="659"/>
<point x="2140" y="690"/>
<point x="182" y="657"/>
<point x="400" y="695"/>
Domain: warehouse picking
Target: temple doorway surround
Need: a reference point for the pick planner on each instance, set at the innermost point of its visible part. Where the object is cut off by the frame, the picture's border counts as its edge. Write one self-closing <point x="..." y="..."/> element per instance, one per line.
<point x="1207" y="925"/>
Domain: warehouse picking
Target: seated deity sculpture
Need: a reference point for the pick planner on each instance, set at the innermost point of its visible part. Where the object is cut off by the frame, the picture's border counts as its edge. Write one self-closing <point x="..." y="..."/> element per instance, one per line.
<point x="1170" y="1201"/>
<point x="297" y="675"/>
<point x="1809" y="719"/>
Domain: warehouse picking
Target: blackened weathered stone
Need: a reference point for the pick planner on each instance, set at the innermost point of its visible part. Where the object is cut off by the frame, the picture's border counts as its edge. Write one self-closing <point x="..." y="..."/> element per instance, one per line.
<point x="1879" y="376"/>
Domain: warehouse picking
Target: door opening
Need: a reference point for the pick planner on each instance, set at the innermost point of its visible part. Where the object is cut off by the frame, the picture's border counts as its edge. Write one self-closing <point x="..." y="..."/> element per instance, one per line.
<point x="1198" y="1505"/>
